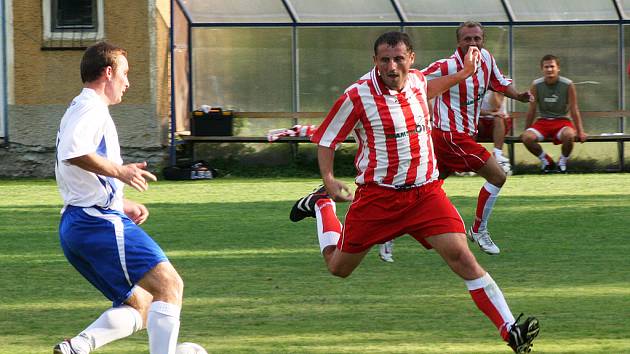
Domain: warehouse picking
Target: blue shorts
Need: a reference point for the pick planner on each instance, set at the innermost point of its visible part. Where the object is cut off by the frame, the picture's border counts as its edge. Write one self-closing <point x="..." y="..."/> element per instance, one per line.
<point x="108" y="249"/>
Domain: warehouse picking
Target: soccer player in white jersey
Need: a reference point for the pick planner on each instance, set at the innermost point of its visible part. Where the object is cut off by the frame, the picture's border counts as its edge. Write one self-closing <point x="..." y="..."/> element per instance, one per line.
<point x="455" y="116"/>
<point x="398" y="187"/>
<point x="99" y="231"/>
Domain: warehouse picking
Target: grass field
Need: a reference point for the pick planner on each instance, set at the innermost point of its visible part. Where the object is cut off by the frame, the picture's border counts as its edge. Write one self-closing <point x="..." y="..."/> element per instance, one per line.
<point x="255" y="282"/>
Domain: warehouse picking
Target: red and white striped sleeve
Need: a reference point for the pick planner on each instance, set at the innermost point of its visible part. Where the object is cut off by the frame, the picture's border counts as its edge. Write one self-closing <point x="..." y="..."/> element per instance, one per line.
<point x="436" y="69"/>
<point x="498" y="82"/>
<point x="338" y="123"/>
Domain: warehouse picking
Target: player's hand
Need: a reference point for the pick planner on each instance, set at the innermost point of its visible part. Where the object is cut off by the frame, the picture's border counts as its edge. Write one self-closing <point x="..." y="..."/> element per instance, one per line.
<point x="338" y="190"/>
<point x="472" y="60"/>
<point x="137" y="212"/>
<point x="499" y="114"/>
<point x="580" y="136"/>
<point x="135" y="175"/>
<point x="525" y="97"/>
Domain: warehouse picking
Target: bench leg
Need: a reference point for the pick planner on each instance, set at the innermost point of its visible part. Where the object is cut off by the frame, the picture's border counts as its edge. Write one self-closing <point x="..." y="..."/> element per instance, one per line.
<point x="620" y="148"/>
<point x="510" y="147"/>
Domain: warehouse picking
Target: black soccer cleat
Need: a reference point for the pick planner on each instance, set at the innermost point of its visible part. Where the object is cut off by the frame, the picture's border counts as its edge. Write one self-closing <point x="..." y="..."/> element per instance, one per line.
<point x="522" y="335"/>
<point x="64" y="347"/>
<point x="305" y="206"/>
<point x="550" y="168"/>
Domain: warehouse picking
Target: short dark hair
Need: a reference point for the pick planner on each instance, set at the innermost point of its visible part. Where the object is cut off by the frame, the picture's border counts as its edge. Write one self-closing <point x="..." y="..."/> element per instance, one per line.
<point x="470" y="24"/>
<point x="392" y="39"/>
<point x="549" y="57"/>
<point x="98" y="57"/>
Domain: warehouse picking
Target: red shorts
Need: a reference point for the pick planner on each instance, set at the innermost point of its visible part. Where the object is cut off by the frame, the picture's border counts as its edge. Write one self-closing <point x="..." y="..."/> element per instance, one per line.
<point x="485" y="127"/>
<point x="458" y="152"/>
<point x="379" y="214"/>
<point x="545" y="128"/>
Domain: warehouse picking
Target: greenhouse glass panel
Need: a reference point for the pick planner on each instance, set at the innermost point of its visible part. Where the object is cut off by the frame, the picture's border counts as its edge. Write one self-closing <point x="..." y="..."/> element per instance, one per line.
<point x="344" y="11"/>
<point x="594" y="72"/>
<point x="434" y="43"/>
<point x="331" y="59"/>
<point x="625" y="6"/>
<point x="453" y="10"/>
<point x="563" y="10"/>
<point x="231" y="11"/>
<point x="626" y="71"/>
<point x="245" y="69"/>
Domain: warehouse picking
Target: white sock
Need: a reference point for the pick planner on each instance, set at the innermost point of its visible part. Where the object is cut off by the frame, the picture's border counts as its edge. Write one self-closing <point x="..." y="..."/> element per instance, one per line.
<point x="498" y="152"/>
<point x="543" y="158"/>
<point x="163" y="327"/>
<point x="489" y="205"/>
<point x="562" y="161"/>
<point x="115" y="323"/>
<point x="328" y="226"/>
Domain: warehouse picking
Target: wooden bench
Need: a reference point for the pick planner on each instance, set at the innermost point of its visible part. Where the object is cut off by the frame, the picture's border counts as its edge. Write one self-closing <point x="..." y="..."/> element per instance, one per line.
<point x="510" y="140"/>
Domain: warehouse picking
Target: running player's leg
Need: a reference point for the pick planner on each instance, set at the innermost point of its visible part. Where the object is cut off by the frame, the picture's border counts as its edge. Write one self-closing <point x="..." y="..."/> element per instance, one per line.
<point x="484" y="291"/>
<point x="495" y="179"/>
<point x="329" y="230"/>
<point x="166" y="286"/>
<point x="101" y="245"/>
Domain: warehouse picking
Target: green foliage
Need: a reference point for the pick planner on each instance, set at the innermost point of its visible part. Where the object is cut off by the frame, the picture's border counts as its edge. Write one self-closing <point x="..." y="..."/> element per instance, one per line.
<point x="256" y="283"/>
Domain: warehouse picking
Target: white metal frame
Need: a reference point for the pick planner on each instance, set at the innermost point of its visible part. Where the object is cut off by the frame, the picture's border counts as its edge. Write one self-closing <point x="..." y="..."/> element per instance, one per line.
<point x="73" y="35"/>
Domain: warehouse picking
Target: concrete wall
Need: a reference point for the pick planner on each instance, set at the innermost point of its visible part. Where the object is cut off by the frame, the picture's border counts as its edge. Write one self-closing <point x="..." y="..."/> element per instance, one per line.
<point x="45" y="81"/>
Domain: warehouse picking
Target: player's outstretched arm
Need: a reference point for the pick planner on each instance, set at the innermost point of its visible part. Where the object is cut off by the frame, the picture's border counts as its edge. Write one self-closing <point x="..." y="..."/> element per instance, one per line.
<point x="337" y="190"/>
<point x="436" y="86"/>
<point x="524" y="97"/>
<point x="133" y="174"/>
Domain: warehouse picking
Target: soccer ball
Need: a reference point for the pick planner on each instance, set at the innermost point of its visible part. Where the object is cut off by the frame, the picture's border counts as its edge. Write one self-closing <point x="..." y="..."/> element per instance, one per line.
<point x="189" y="348"/>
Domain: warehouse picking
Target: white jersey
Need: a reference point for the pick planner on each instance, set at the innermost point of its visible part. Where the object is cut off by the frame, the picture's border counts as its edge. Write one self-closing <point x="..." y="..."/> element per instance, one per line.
<point x="86" y="128"/>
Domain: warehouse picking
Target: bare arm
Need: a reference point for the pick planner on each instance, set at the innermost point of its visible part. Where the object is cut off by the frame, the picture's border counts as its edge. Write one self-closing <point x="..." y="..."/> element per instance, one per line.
<point x="524" y="97"/>
<point x="132" y="174"/>
<point x="531" y="111"/>
<point x="337" y="190"/>
<point x="575" y="114"/>
<point x="436" y="86"/>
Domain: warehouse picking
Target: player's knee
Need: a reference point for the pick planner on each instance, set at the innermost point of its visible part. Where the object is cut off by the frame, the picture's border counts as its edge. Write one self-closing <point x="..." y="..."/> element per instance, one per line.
<point x="172" y="287"/>
<point x="177" y="286"/>
<point x="465" y="264"/>
<point x="498" y="178"/>
<point x="528" y="138"/>
<point x="340" y="272"/>
<point x="568" y="135"/>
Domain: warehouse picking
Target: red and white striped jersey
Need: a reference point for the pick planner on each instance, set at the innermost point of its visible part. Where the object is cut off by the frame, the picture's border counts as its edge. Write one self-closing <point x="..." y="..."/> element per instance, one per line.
<point x="392" y="129"/>
<point x="457" y="109"/>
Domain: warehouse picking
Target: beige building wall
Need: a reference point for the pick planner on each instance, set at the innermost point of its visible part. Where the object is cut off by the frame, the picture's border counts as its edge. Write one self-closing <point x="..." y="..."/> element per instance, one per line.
<point x="46" y="80"/>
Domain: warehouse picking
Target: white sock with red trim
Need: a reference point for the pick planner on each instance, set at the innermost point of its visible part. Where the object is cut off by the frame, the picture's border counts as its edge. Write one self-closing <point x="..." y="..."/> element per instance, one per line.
<point x="485" y="203"/>
<point x="328" y="226"/>
<point x="489" y="299"/>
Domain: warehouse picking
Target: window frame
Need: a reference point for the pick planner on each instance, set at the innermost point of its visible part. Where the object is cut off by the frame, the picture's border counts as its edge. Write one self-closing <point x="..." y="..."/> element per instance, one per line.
<point x="97" y="33"/>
